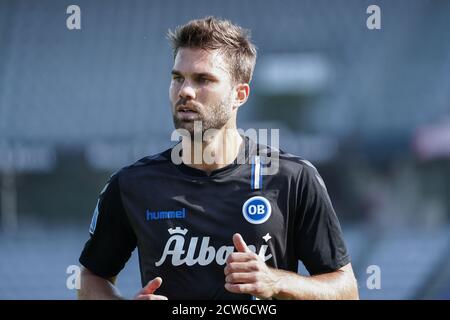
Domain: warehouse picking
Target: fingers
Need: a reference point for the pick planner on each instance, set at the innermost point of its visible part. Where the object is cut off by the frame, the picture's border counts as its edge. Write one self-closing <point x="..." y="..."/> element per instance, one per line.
<point x="249" y="288"/>
<point x="245" y="271"/>
<point x="151" y="286"/>
<point x="147" y="292"/>
<point x="243" y="253"/>
<point x="150" y="297"/>
<point x="241" y="277"/>
<point x="249" y="266"/>
<point x="241" y="257"/>
<point x="239" y="243"/>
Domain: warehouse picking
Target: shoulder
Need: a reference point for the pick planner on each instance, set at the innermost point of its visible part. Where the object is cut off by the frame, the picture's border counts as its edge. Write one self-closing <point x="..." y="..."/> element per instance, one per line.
<point x="151" y="162"/>
<point x="287" y="163"/>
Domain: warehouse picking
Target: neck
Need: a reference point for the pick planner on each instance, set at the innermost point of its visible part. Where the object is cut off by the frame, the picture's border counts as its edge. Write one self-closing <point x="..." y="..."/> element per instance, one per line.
<point x="215" y="151"/>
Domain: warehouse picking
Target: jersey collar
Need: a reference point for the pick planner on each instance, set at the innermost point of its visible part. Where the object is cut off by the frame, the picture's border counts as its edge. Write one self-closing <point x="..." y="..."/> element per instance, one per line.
<point x="245" y="151"/>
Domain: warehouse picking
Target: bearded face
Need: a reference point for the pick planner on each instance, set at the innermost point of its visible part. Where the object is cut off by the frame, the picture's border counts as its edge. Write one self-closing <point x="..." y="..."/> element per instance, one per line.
<point x="200" y="90"/>
<point x="213" y="116"/>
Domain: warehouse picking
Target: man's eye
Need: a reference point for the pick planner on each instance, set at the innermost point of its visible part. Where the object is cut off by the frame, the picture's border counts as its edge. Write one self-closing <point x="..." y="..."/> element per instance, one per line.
<point x="203" y="80"/>
<point x="177" y="79"/>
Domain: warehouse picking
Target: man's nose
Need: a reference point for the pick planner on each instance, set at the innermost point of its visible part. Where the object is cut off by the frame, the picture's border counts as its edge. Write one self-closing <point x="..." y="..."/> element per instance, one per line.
<point x="187" y="91"/>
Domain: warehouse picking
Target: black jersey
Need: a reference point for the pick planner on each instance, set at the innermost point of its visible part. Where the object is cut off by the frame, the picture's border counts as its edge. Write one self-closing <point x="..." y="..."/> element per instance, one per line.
<point x="182" y="221"/>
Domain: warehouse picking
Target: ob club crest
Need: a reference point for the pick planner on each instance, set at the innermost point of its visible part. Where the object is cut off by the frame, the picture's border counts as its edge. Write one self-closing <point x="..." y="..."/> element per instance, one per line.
<point x="257" y="210"/>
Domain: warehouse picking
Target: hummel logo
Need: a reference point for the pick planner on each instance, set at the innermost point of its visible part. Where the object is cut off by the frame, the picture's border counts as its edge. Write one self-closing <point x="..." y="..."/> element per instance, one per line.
<point x="159" y="215"/>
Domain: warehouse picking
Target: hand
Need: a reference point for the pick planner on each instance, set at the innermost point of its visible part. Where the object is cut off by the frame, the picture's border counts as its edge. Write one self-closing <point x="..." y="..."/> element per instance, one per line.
<point x="147" y="292"/>
<point x="246" y="272"/>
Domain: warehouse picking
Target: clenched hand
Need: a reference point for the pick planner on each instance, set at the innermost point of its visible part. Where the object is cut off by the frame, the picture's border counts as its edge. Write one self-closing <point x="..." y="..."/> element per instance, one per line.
<point x="246" y="272"/>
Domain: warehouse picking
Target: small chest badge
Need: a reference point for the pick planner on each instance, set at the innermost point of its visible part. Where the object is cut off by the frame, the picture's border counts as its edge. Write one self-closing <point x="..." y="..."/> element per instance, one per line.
<point x="257" y="210"/>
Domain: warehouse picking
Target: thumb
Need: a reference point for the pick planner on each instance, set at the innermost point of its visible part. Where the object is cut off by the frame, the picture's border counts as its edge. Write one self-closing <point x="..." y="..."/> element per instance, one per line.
<point x="239" y="243"/>
<point x="151" y="286"/>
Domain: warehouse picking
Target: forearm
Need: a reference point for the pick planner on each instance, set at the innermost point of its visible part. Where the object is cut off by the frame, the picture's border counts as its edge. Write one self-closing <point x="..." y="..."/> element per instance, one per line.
<point x="337" y="285"/>
<point x="93" y="287"/>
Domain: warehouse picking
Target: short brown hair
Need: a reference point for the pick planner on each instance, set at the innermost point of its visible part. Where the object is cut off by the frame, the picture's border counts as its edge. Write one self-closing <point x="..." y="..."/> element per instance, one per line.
<point x="211" y="33"/>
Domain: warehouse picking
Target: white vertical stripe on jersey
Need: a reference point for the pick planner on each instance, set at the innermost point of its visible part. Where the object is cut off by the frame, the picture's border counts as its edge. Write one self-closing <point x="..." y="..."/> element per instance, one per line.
<point x="257" y="174"/>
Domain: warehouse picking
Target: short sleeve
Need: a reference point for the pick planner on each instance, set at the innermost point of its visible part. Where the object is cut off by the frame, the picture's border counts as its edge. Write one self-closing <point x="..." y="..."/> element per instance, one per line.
<point x="112" y="239"/>
<point x="318" y="235"/>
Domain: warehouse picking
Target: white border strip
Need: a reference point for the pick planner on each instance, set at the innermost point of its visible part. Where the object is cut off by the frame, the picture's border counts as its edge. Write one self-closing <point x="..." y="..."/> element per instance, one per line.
<point x="257" y="174"/>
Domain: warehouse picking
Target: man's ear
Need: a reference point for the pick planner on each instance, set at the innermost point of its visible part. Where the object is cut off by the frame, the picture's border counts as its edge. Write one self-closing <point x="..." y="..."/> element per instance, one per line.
<point x="242" y="91"/>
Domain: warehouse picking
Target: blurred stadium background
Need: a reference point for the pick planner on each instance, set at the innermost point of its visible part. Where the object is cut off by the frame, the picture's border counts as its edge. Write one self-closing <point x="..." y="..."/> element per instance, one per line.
<point x="370" y="108"/>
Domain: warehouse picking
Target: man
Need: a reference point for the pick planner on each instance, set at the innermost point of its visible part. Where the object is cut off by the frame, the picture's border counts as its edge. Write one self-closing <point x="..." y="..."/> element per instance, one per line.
<point x="191" y="220"/>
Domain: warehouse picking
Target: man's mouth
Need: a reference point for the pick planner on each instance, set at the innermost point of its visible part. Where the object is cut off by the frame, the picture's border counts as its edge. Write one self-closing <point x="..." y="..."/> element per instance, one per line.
<point x="187" y="114"/>
<point x="187" y="111"/>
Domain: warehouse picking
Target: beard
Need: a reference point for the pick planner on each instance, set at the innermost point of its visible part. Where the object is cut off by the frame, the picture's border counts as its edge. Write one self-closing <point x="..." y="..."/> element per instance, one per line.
<point x="210" y="117"/>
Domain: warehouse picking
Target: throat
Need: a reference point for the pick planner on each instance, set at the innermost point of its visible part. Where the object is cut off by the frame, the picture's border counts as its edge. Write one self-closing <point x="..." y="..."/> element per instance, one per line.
<point x="214" y="154"/>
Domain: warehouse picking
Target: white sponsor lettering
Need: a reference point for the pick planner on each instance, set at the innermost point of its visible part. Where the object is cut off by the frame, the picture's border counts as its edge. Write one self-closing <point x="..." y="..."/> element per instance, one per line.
<point x="174" y="249"/>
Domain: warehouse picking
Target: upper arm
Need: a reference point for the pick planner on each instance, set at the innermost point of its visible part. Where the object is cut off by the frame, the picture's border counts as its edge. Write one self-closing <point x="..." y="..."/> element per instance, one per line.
<point x="342" y="281"/>
<point x="86" y="273"/>
<point x="350" y="282"/>
<point x="347" y="268"/>
<point x="318" y="236"/>
<point x="347" y="271"/>
<point x="112" y="238"/>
